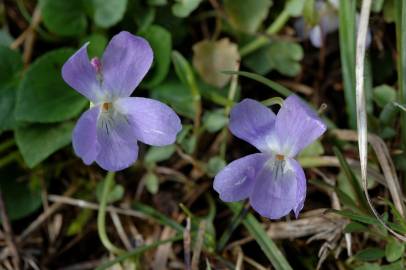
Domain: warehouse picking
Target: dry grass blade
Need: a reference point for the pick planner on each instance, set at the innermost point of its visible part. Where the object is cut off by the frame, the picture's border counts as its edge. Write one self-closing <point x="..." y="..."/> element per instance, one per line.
<point x="198" y="245"/>
<point x="162" y="253"/>
<point x="361" y="106"/>
<point x="306" y="226"/>
<point x="187" y="243"/>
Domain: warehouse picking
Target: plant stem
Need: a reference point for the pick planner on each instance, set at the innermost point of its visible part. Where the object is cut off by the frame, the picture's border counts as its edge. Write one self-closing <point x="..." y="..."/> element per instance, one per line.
<point x="272" y="29"/>
<point x="101" y="217"/>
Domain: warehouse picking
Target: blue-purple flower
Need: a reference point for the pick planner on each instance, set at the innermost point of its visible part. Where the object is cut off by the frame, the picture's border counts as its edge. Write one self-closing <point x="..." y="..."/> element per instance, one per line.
<point x="328" y="22"/>
<point x="108" y="132"/>
<point x="273" y="180"/>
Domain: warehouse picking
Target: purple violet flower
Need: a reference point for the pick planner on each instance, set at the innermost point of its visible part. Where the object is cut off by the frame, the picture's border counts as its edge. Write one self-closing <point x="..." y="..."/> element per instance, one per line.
<point x="108" y="132"/>
<point x="273" y="180"/>
<point x="327" y="11"/>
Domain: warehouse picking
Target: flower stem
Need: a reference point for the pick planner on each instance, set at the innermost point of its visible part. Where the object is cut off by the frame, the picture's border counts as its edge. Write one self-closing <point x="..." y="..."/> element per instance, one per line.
<point x="272" y="29"/>
<point x="101" y="216"/>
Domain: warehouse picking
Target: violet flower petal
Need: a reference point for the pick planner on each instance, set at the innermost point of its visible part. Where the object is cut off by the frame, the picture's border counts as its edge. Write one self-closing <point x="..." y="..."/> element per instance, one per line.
<point x="252" y="122"/>
<point x="84" y="137"/>
<point x="296" y="126"/>
<point x="316" y="36"/>
<point x="118" y="146"/>
<point x="275" y="191"/>
<point x="301" y="186"/>
<point x="81" y="76"/>
<point x="236" y="181"/>
<point x="125" y="62"/>
<point x="153" y="122"/>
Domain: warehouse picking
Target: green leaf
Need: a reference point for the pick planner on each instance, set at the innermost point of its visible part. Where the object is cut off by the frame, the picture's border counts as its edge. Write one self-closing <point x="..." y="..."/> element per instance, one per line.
<point x="295" y="7"/>
<point x="43" y="95"/>
<point x="355" y="227"/>
<point x="114" y="195"/>
<point x="9" y="72"/>
<point x="11" y="65"/>
<point x="77" y="225"/>
<point x="310" y="13"/>
<point x="7" y="108"/>
<point x="144" y="15"/>
<point x="389" y="11"/>
<point x="368" y="266"/>
<point x="384" y="94"/>
<point x="157" y="2"/>
<point x="388" y="114"/>
<point x="399" y="265"/>
<point x="38" y="141"/>
<point x="394" y="251"/>
<point x="256" y="230"/>
<point x="151" y="182"/>
<point x="177" y="95"/>
<point x="20" y="199"/>
<point x="5" y="38"/>
<point x="246" y="16"/>
<point x="354" y="182"/>
<point x="284" y="56"/>
<point x="158" y="154"/>
<point x="370" y="254"/>
<point x="215" y="165"/>
<point x="213" y="121"/>
<point x="66" y="18"/>
<point x="314" y="149"/>
<point x="212" y="57"/>
<point x="185" y="73"/>
<point x="161" y="42"/>
<point x="377" y="5"/>
<point x="183" y="8"/>
<point x="97" y="44"/>
<point x="107" y="13"/>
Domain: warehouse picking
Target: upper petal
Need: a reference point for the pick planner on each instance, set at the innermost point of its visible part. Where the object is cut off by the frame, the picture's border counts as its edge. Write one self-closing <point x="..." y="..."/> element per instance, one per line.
<point x="118" y="145"/>
<point x="253" y="122"/>
<point x="80" y="75"/>
<point x="275" y="191"/>
<point x="84" y="138"/>
<point x="125" y="62"/>
<point x="236" y="181"/>
<point x="153" y="122"/>
<point x="296" y="126"/>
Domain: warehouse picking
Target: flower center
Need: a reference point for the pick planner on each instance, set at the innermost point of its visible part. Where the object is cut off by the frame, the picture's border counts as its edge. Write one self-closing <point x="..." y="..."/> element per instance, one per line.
<point x="279" y="157"/>
<point x="106" y="106"/>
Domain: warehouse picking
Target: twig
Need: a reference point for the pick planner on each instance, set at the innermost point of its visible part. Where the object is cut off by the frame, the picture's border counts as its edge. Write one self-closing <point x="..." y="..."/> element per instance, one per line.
<point x="254" y="264"/>
<point x="120" y="230"/>
<point x="30" y="37"/>
<point x="9" y="235"/>
<point x="186" y="243"/>
<point x="198" y="245"/>
<point x="94" y="206"/>
<point x="162" y="253"/>
<point x="51" y="210"/>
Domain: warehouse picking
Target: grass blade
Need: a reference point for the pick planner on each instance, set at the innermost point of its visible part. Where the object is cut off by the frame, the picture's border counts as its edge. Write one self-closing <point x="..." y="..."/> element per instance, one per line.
<point x="270" y="249"/>
<point x="347" y="54"/>
<point x="138" y="251"/>
<point x="271" y="84"/>
<point x="361" y="107"/>
<point x="159" y="217"/>
<point x="400" y="7"/>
